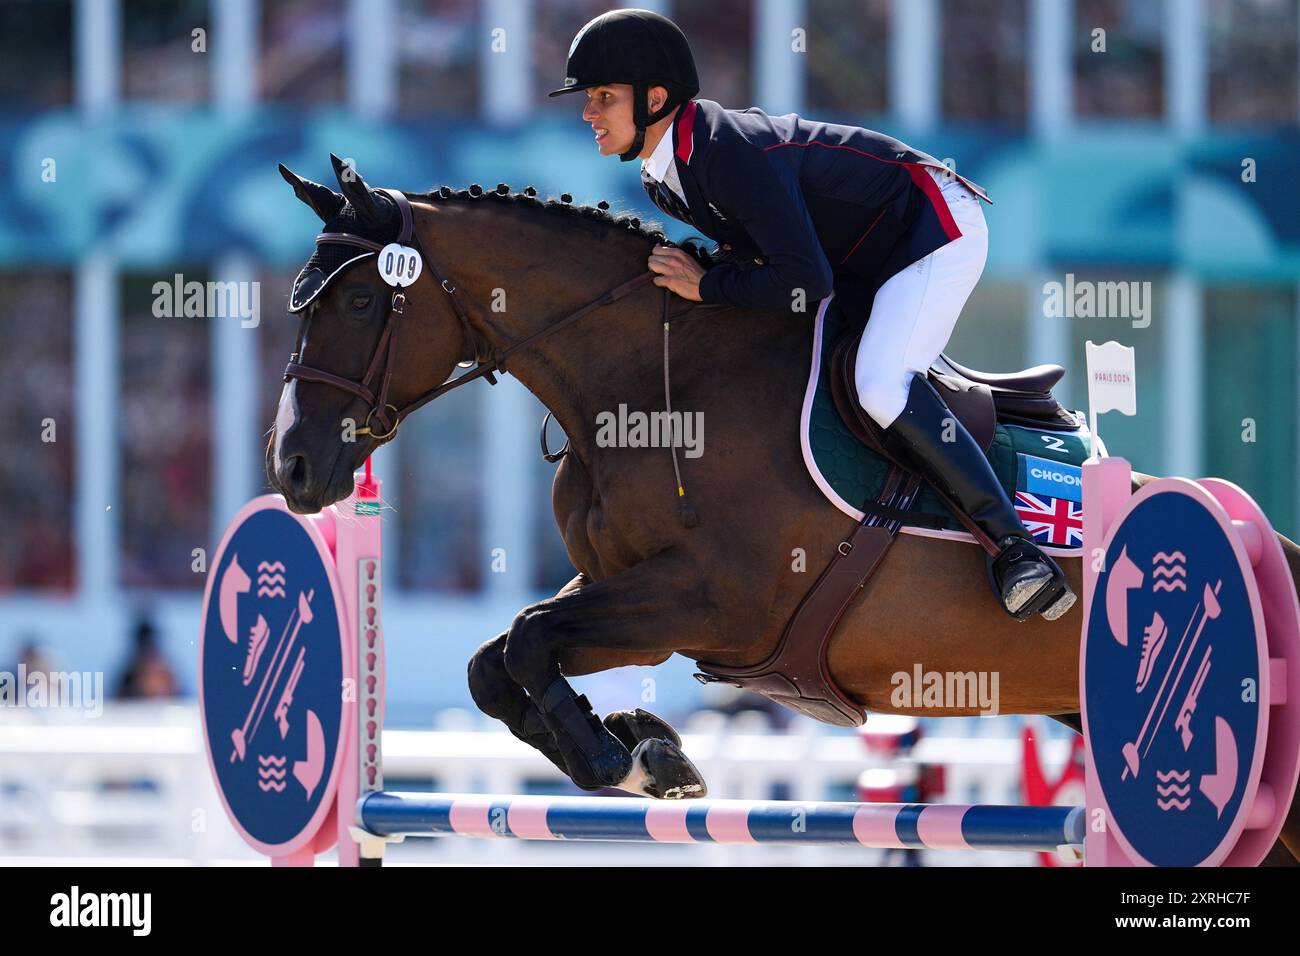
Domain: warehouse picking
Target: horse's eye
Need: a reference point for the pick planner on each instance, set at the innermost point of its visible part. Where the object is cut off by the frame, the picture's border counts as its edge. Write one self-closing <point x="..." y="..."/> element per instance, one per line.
<point x="360" y="301"/>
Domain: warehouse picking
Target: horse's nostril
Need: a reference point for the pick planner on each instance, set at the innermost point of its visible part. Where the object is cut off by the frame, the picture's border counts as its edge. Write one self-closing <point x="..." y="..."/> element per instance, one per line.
<point x="295" y="473"/>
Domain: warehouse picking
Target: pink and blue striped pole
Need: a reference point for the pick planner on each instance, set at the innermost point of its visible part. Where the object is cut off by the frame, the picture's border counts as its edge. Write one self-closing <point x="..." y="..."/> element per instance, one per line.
<point x="624" y="819"/>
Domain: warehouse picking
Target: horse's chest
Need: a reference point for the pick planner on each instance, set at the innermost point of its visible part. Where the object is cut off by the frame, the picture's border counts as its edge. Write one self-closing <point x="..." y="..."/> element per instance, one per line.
<point x="595" y="546"/>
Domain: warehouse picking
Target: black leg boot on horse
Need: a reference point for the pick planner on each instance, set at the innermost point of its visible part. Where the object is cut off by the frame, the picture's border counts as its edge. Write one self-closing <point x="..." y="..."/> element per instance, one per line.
<point x="1025" y="579"/>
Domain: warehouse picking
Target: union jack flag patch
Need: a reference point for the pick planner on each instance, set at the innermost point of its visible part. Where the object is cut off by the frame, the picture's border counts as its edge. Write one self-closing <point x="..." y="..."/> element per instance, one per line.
<point x="1057" y="521"/>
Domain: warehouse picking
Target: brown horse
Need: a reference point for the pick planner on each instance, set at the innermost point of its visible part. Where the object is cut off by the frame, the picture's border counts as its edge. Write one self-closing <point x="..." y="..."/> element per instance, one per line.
<point x="647" y="586"/>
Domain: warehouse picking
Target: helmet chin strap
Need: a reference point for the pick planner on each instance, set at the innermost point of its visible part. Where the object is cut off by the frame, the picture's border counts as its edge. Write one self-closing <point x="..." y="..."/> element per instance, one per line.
<point x="638" y="141"/>
<point x="642" y="119"/>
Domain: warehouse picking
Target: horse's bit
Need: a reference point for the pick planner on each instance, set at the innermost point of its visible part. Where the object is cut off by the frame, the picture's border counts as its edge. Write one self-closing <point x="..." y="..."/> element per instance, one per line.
<point x="488" y="360"/>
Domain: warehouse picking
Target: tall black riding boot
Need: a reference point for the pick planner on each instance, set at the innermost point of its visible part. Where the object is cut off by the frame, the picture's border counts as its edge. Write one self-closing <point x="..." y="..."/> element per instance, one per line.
<point x="1027" y="581"/>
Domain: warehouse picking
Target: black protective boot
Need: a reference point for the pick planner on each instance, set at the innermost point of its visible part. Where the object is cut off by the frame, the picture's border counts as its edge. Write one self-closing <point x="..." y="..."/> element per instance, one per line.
<point x="1026" y="580"/>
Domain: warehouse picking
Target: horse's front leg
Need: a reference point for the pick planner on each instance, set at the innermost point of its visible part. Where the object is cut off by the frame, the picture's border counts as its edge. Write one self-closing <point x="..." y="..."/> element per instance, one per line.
<point x="658" y="765"/>
<point x="498" y="696"/>
<point x="640" y="615"/>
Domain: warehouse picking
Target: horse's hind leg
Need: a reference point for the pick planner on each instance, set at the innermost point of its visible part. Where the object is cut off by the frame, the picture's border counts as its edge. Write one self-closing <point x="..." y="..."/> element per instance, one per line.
<point x="640" y="615"/>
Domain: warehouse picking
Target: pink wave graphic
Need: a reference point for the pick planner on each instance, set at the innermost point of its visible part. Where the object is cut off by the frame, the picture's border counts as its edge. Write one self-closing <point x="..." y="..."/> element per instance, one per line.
<point x="1174" y="572"/>
<point x="1160" y="556"/>
<point x="1164" y="776"/>
<point x="272" y="761"/>
<point x="271" y="592"/>
<point x="266" y="786"/>
<point x="1158" y="586"/>
<point x="265" y="566"/>
<point x="1173" y="789"/>
<point x="1173" y="804"/>
<point x="272" y="774"/>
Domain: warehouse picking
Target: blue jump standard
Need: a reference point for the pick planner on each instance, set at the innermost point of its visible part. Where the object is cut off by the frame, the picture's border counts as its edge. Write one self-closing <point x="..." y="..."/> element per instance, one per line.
<point x="623" y="819"/>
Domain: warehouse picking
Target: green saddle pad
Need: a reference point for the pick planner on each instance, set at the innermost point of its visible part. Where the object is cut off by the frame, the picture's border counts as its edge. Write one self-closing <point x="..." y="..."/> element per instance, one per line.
<point x="1039" y="468"/>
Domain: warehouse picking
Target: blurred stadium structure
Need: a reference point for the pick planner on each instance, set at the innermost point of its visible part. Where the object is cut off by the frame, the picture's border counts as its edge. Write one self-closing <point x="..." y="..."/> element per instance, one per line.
<point x="140" y="139"/>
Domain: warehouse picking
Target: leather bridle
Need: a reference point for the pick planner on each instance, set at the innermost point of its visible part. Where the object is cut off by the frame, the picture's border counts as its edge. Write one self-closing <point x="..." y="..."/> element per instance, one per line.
<point x="487" y="359"/>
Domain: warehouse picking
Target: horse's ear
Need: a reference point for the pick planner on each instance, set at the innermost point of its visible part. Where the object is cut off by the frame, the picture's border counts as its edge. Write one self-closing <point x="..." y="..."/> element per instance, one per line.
<point x="322" y="200"/>
<point x="357" y="192"/>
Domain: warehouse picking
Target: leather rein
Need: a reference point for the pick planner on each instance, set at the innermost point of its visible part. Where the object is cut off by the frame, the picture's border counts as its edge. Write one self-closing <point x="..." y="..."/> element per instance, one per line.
<point x="488" y="360"/>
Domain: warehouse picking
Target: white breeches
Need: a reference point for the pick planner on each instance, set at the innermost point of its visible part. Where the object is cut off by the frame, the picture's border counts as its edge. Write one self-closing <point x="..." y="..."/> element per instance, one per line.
<point x="915" y="311"/>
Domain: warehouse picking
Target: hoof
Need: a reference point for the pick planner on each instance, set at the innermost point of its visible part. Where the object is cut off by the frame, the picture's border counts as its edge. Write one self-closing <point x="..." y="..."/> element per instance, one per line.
<point x="660" y="769"/>
<point x="633" y="726"/>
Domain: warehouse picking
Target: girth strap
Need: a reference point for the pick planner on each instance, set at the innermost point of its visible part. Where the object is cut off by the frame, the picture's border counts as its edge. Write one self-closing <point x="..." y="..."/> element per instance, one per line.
<point x="797" y="673"/>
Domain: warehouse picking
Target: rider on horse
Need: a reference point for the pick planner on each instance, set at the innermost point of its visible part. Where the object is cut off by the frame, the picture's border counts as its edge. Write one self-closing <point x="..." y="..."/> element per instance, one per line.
<point x="801" y="208"/>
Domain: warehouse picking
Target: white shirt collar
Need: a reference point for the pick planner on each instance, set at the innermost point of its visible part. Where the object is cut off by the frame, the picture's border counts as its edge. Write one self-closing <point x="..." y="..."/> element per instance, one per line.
<point x="661" y="160"/>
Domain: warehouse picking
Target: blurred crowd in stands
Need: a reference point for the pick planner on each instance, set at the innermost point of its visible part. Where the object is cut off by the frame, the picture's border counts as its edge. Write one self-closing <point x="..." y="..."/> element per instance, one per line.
<point x="164" y="448"/>
<point x="144" y="673"/>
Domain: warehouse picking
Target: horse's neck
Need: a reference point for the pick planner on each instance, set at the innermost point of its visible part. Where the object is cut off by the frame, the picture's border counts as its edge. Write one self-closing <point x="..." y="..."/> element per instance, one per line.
<point x="613" y="355"/>
<point x="614" y="367"/>
<point x="610" y="356"/>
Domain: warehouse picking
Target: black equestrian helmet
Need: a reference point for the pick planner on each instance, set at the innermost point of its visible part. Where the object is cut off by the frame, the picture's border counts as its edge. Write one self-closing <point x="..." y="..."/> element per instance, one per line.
<point x="637" y="47"/>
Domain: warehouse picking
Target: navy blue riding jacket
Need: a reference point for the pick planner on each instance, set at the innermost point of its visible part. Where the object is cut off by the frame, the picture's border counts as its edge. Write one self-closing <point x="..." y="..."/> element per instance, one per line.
<point x="806" y="205"/>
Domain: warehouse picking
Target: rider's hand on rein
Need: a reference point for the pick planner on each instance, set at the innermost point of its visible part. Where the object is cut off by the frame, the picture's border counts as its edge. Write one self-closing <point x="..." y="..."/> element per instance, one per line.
<point x="677" y="271"/>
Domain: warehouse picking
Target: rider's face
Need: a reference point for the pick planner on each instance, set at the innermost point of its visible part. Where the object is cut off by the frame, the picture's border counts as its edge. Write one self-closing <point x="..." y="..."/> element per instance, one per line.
<point x="609" y="111"/>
